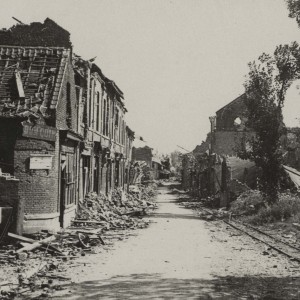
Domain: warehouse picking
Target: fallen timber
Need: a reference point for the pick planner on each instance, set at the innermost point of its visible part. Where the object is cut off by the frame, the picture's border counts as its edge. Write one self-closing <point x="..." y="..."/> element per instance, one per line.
<point x="37" y="244"/>
<point x="282" y="247"/>
<point x="97" y="219"/>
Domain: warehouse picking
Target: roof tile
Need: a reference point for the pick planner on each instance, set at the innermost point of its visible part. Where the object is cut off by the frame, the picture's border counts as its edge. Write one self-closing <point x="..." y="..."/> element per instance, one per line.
<point x="37" y="66"/>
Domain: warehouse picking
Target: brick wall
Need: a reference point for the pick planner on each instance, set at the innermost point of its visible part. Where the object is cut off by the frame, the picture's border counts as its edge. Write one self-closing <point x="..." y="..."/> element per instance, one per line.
<point x="228" y="142"/>
<point x="227" y="115"/>
<point x="144" y="154"/>
<point x="66" y="112"/>
<point x="38" y="188"/>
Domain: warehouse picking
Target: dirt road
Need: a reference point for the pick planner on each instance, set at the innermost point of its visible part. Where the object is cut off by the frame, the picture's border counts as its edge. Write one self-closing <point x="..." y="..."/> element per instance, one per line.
<point x="182" y="257"/>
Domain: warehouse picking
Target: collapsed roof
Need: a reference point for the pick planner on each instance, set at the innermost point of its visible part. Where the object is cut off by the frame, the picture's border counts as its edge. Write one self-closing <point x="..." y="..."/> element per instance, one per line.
<point x="30" y="79"/>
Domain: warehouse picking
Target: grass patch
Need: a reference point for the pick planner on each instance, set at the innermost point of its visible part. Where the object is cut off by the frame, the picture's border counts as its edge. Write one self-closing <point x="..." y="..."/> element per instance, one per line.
<point x="251" y="208"/>
<point x="248" y="203"/>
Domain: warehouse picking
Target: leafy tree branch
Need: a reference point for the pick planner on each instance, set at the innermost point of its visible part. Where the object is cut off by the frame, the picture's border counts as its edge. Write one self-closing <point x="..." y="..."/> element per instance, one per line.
<point x="266" y="85"/>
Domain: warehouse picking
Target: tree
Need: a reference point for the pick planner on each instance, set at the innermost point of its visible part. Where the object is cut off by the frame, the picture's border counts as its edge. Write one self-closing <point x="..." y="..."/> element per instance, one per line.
<point x="176" y="161"/>
<point x="166" y="162"/>
<point x="294" y="8"/>
<point x="266" y="85"/>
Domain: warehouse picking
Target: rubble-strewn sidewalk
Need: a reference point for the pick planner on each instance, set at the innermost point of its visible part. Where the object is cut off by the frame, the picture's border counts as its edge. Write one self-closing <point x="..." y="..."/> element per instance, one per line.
<point x="33" y="265"/>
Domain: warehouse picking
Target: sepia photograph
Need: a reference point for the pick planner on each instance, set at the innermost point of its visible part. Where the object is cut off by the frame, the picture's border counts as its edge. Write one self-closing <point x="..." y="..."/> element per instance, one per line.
<point x="150" y="149"/>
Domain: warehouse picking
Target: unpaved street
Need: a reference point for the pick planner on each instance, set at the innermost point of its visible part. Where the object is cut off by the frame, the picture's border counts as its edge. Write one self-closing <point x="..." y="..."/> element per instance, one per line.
<point x="182" y="257"/>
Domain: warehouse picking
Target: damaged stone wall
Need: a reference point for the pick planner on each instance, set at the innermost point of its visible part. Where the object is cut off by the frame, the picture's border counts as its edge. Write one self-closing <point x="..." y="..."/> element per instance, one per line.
<point x="230" y="142"/>
<point x="38" y="187"/>
<point x="232" y="116"/>
<point x="231" y="133"/>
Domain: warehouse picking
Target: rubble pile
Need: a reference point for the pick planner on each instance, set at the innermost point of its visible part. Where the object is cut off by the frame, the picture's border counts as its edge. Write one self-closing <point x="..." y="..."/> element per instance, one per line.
<point x="176" y="191"/>
<point x="204" y="207"/>
<point x="206" y="213"/>
<point x="192" y="205"/>
<point x="214" y="214"/>
<point x="118" y="211"/>
<point x="186" y="200"/>
<point x="32" y="264"/>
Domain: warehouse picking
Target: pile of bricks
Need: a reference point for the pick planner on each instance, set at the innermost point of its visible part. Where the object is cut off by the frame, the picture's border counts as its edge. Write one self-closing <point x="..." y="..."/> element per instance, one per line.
<point x="117" y="211"/>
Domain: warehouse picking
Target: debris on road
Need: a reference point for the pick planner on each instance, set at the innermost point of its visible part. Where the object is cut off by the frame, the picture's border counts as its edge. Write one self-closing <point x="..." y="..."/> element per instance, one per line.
<point x="117" y="211"/>
<point x="36" y="258"/>
<point x="205" y="213"/>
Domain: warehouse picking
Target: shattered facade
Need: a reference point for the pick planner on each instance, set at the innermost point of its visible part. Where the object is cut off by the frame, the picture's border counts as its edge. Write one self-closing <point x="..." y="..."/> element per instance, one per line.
<point x="230" y="133"/>
<point x="153" y="163"/>
<point x="62" y="125"/>
<point x="213" y="168"/>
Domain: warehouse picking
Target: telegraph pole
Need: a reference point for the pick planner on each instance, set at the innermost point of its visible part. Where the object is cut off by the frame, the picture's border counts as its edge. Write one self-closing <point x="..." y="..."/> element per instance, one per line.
<point x="210" y="181"/>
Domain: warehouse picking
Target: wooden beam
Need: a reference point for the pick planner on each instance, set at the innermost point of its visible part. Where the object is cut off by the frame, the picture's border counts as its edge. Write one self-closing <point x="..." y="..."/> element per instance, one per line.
<point x="19" y="84"/>
<point x="31" y="241"/>
<point x="18" y="20"/>
<point x="37" y="244"/>
<point x="20" y="238"/>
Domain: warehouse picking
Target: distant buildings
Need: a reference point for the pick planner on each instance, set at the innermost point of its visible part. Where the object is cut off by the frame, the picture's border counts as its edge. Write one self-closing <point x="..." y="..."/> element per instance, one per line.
<point x="152" y="161"/>
<point x="63" y="131"/>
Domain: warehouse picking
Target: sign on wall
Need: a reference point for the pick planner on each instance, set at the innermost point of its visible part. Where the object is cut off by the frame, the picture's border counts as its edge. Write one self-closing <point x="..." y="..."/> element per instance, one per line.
<point x="40" y="132"/>
<point x="40" y="162"/>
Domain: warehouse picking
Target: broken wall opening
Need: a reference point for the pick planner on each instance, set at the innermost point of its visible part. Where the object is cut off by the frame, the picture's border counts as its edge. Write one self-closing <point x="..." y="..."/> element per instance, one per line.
<point x="9" y="197"/>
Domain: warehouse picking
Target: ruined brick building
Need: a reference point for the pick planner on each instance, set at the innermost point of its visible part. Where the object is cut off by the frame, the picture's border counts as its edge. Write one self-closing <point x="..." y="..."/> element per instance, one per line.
<point x="230" y="132"/>
<point x="62" y="126"/>
<point x="147" y="155"/>
<point x="202" y="168"/>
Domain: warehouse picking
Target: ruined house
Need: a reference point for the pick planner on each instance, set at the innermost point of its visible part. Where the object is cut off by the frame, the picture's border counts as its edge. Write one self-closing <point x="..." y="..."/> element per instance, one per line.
<point x="214" y="166"/>
<point x="230" y="133"/>
<point x="153" y="162"/>
<point x="62" y="127"/>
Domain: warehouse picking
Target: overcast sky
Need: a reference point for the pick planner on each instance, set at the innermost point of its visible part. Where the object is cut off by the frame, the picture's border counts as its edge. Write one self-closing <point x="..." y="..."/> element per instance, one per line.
<point x="177" y="62"/>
